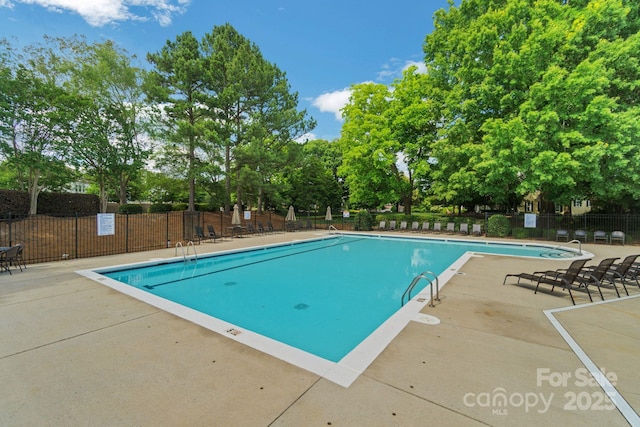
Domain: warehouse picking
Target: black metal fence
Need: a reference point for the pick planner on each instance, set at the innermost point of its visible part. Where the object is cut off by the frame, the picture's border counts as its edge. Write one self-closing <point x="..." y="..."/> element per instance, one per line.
<point x="547" y="226"/>
<point x="55" y="238"/>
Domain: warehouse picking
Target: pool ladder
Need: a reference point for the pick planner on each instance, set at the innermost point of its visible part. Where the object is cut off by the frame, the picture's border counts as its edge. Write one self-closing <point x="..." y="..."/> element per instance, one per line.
<point x="185" y="255"/>
<point x="572" y="241"/>
<point x="427" y="275"/>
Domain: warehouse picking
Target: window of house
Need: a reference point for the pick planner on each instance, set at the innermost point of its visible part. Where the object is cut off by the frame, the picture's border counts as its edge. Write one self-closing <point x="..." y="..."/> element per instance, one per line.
<point x="528" y="206"/>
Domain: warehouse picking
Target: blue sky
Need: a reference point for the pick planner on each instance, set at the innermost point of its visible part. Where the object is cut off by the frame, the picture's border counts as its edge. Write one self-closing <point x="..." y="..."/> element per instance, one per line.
<point x="324" y="46"/>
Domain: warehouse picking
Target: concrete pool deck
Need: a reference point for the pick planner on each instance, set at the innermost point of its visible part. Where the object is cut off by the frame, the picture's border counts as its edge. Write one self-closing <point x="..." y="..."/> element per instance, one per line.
<point x="75" y="352"/>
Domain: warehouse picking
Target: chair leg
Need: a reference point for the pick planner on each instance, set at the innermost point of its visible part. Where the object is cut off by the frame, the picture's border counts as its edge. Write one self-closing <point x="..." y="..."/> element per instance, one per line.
<point x="5" y="267"/>
<point x="599" y="290"/>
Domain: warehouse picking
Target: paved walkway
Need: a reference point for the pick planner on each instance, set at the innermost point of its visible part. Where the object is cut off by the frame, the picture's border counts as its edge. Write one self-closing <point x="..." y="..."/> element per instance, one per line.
<point x="75" y="352"/>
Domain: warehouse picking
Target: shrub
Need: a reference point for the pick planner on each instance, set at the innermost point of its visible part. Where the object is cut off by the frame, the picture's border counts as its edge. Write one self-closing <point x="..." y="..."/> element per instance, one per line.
<point x="15" y="202"/>
<point x="130" y="209"/>
<point x="499" y="226"/>
<point x="160" y="207"/>
<point x="180" y="206"/>
<point x="526" y="233"/>
<point x="363" y="221"/>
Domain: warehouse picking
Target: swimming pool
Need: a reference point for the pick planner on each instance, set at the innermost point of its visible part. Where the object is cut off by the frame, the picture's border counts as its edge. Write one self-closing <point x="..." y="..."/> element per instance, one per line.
<point x="320" y="298"/>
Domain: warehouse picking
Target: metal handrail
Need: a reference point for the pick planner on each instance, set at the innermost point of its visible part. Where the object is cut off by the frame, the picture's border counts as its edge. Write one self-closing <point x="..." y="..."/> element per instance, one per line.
<point x="179" y="244"/>
<point x="331" y="227"/>
<point x="579" y="245"/>
<point x="191" y="244"/>
<point x="428" y="275"/>
<point x="572" y="241"/>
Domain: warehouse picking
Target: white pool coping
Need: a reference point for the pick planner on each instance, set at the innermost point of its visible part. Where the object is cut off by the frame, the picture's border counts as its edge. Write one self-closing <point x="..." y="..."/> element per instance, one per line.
<point x="344" y="372"/>
<point x="623" y="406"/>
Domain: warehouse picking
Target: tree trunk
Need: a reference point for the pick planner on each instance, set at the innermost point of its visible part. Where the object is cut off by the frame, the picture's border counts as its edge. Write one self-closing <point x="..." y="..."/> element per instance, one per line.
<point x="34" y="192"/>
<point x="103" y="197"/>
<point x="227" y="177"/>
<point x="238" y="190"/>
<point x="260" y="196"/>
<point x="192" y="179"/>
<point x="122" y="194"/>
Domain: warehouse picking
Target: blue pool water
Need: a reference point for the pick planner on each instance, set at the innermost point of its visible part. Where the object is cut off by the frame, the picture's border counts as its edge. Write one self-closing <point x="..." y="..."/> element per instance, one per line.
<point x="323" y="296"/>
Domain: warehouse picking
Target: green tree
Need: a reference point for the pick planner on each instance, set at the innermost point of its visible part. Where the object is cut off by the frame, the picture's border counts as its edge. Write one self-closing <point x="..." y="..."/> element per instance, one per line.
<point x="313" y="186"/>
<point x="274" y="126"/>
<point x="535" y="97"/>
<point x="106" y="138"/>
<point x="176" y="86"/>
<point x="253" y="109"/>
<point x="31" y="131"/>
<point x="233" y="66"/>
<point x="161" y="187"/>
<point x="369" y="148"/>
<point x="412" y="118"/>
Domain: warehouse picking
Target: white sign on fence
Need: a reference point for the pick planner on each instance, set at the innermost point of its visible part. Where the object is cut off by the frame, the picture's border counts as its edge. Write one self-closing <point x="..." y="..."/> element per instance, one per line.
<point x="529" y="220"/>
<point x="106" y="224"/>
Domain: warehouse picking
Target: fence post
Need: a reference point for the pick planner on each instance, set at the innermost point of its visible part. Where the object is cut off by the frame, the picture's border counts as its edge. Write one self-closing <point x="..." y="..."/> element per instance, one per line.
<point x="126" y="233"/>
<point x="75" y="250"/>
<point x="10" y="226"/>
<point x="167" y="230"/>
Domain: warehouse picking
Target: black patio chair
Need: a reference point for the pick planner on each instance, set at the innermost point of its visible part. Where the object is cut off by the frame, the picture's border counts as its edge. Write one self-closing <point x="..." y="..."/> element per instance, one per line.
<point x="9" y="257"/>
<point x="562" y="235"/>
<point x="564" y="278"/>
<point x="199" y="233"/>
<point x="212" y="233"/>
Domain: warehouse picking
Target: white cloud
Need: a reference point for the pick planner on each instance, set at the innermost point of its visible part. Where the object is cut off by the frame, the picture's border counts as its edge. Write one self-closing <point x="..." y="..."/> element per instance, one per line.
<point x="101" y="12"/>
<point x="395" y="67"/>
<point x="309" y="136"/>
<point x="333" y="102"/>
<point x="422" y="67"/>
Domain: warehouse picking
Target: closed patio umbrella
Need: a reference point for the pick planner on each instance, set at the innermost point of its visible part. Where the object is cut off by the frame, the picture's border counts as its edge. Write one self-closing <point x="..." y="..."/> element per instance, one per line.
<point x="328" y="216"/>
<point x="291" y="215"/>
<point x="235" y="219"/>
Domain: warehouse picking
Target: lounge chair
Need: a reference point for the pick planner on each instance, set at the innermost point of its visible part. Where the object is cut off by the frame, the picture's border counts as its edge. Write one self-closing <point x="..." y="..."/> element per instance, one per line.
<point x="199" y="233"/>
<point x="309" y="225"/>
<point x="437" y="227"/>
<point x="623" y="271"/>
<point x="8" y="257"/>
<point x="476" y="229"/>
<point x="415" y="226"/>
<point x="580" y="235"/>
<point x="597" y="275"/>
<point x="617" y="236"/>
<point x="392" y="225"/>
<point x="212" y="233"/>
<point x="425" y="227"/>
<point x="403" y="226"/>
<point x="464" y="228"/>
<point x="565" y="279"/>
<point x="383" y="225"/>
<point x="451" y="227"/>
<point x="260" y="227"/>
<point x="270" y="228"/>
<point x="562" y="235"/>
<point x="20" y="257"/>
<point x="250" y="228"/>
<point x="600" y="235"/>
